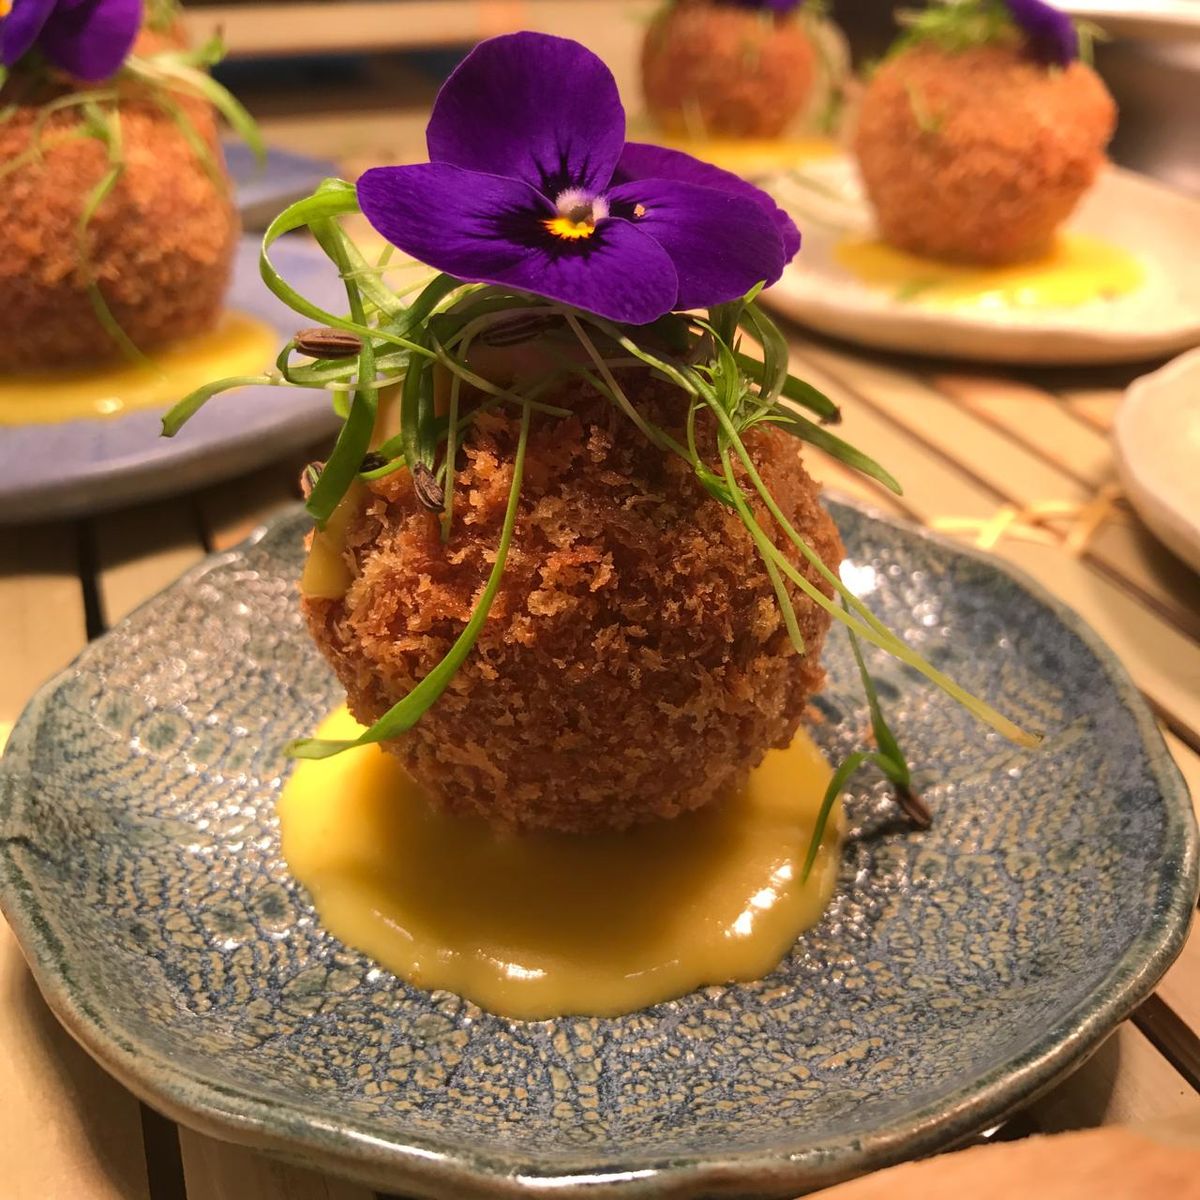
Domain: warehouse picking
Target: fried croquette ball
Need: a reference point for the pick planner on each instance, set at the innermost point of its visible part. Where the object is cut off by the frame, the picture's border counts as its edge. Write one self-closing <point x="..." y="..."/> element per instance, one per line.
<point x="979" y="155"/>
<point x="727" y="72"/>
<point x="160" y="246"/>
<point x="634" y="664"/>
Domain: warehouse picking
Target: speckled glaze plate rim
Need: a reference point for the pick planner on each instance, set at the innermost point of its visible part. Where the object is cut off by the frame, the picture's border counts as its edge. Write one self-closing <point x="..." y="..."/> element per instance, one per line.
<point x="1160" y="318"/>
<point x="350" y="1148"/>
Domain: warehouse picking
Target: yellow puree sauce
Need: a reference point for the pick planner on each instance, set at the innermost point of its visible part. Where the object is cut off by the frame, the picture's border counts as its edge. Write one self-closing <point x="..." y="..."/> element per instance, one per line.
<point x="1077" y="270"/>
<point x="543" y="925"/>
<point x="754" y="156"/>
<point x="237" y="345"/>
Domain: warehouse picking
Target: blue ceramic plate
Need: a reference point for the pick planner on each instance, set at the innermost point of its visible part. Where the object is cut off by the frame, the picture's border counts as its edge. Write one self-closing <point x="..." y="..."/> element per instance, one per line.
<point x="956" y="973"/>
<point x="264" y="190"/>
<point x="86" y="466"/>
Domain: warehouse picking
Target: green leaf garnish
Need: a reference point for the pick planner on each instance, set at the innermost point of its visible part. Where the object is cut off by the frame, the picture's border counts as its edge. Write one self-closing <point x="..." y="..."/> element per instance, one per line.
<point x="404" y="715"/>
<point x="888" y="757"/>
<point x="834" y="446"/>
<point x="353" y="441"/>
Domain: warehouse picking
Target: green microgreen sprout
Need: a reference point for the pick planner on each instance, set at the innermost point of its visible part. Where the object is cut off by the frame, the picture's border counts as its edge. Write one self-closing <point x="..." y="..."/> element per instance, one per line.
<point x="887" y="756"/>
<point x="1089" y="34"/>
<point x="955" y="25"/>
<point x="1049" y="36"/>
<point x="404" y="342"/>
<point x="404" y="715"/>
<point x="928" y="123"/>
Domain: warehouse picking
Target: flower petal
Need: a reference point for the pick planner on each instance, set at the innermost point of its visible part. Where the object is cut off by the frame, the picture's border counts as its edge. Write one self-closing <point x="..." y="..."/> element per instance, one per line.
<point x="20" y="29"/>
<point x="90" y="39"/>
<point x="640" y="161"/>
<point x="722" y="244"/>
<point x="1050" y="35"/>
<point x="533" y="107"/>
<point x="487" y="229"/>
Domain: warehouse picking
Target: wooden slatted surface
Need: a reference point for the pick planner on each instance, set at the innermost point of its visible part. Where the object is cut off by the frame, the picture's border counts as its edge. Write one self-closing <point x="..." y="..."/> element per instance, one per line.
<point x="306" y="28"/>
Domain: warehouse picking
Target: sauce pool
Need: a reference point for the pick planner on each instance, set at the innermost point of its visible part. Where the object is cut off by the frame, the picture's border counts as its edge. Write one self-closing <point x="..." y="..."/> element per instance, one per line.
<point x="237" y="345"/>
<point x="1077" y="270"/>
<point x="540" y="925"/>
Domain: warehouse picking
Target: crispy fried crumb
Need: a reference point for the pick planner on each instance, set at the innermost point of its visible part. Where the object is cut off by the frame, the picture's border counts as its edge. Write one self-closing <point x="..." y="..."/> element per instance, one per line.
<point x="724" y="72"/>
<point x="162" y="243"/>
<point x="634" y="664"/>
<point x="979" y="156"/>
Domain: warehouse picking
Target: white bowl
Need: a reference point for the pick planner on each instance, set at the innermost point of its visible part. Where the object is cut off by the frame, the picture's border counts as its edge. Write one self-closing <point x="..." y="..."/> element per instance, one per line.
<point x="1158" y="453"/>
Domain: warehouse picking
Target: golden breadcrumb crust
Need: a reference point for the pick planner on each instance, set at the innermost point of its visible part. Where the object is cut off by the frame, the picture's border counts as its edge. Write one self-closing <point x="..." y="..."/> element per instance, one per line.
<point x="161" y="244"/>
<point x="719" y="71"/>
<point x="634" y="664"/>
<point x="980" y="155"/>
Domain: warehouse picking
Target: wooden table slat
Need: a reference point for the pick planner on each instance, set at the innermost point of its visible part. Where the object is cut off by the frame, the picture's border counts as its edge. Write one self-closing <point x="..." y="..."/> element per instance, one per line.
<point x="69" y="1130"/>
<point x="1097" y="406"/>
<point x="220" y="1171"/>
<point x="1000" y="464"/>
<point x="1043" y="423"/>
<point x="141" y="550"/>
<point x="44" y="623"/>
<point x="1127" y="1080"/>
<point x="229" y="514"/>
<point x="839" y="479"/>
<point x="1163" y="661"/>
<point x="1014" y="469"/>
<point x="1171" y="1036"/>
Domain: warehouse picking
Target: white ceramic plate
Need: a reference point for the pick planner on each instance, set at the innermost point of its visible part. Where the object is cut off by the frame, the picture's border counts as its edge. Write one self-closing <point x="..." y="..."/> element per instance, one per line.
<point x="1159" y="226"/>
<point x="1158" y="453"/>
<point x="1166" y="19"/>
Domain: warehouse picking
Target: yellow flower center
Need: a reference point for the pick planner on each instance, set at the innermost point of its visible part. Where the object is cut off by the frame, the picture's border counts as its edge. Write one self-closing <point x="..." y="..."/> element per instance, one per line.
<point x="578" y="214"/>
<point x="5" y="8"/>
<point x="563" y="227"/>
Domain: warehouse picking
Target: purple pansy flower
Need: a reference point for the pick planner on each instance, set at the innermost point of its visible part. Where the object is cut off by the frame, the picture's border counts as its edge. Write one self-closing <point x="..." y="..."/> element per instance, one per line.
<point x="532" y="186"/>
<point x="86" y="38"/>
<point x="1050" y="35"/>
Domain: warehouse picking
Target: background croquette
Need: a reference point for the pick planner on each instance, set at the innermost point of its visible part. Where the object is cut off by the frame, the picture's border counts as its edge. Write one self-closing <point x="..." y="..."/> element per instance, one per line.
<point x="979" y="155"/>
<point x="161" y="245"/>
<point x="720" y="71"/>
<point x="634" y="665"/>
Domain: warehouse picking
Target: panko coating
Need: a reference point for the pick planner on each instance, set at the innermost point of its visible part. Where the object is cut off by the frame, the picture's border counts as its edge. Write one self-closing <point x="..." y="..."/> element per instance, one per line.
<point x="979" y="155"/>
<point x="161" y="245"/>
<point x="634" y="664"/>
<point x="726" y="72"/>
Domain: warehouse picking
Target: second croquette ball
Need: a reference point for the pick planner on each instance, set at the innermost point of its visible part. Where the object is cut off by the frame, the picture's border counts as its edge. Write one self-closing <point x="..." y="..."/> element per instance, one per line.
<point x="159" y="247"/>
<point x="979" y="155"/>
<point x="711" y="70"/>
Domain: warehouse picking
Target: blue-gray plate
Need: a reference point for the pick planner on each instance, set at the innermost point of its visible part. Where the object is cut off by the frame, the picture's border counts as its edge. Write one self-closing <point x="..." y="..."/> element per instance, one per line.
<point x="86" y="466"/>
<point x="956" y="973"/>
<point x="264" y="190"/>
